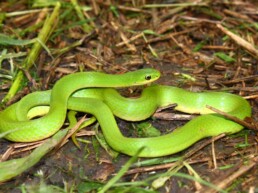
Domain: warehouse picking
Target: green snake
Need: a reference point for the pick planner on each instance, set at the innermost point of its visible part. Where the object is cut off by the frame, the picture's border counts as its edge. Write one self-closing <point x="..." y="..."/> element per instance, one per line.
<point x="104" y="102"/>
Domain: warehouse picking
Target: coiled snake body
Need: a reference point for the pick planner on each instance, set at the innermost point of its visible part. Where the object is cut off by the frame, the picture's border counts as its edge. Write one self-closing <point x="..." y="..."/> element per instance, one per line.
<point x="104" y="102"/>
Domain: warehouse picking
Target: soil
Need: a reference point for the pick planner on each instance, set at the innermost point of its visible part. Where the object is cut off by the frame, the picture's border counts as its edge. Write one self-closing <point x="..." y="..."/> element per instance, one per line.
<point x="184" y="41"/>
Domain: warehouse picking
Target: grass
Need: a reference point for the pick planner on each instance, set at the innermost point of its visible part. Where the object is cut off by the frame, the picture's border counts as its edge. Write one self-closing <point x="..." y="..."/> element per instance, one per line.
<point x="47" y="41"/>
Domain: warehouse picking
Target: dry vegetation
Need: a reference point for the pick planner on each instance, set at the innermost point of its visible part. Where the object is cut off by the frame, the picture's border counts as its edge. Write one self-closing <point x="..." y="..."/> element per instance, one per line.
<point x="198" y="45"/>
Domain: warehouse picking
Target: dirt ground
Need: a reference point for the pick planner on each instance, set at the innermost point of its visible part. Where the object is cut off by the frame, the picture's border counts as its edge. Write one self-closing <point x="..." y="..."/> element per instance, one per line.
<point x="198" y="46"/>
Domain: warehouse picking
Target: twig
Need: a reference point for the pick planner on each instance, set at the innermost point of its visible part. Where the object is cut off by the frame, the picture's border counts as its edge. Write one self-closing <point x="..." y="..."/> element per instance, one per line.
<point x="122" y="7"/>
<point x="70" y="133"/>
<point x="7" y="154"/>
<point x="213" y="154"/>
<point x="126" y="41"/>
<point x="204" y="144"/>
<point x="240" y="41"/>
<point x="229" y="179"/>
<point x="172" y="116"/>
<point x="246" y="78"/>
<point x="252" y="96"/>
<point x="174" y="5"/>
<point x="233" y="118"/>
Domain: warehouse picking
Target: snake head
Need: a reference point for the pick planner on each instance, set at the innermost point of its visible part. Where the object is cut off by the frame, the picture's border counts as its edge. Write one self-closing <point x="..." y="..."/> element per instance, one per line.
<point x="143" y="76"/>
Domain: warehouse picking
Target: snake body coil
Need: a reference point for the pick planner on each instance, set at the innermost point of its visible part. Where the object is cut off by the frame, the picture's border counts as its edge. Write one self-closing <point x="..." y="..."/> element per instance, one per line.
<point x="104" y="102"/>
<point x="37" y="129"/>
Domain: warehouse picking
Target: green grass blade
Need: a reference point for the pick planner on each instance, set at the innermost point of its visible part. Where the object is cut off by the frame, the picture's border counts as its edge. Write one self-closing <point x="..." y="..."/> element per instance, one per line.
<point x="8" y="41"/>
<point x="34" y="53"/>
<point x="124" y="169"/>
<point x="12" y="168"/>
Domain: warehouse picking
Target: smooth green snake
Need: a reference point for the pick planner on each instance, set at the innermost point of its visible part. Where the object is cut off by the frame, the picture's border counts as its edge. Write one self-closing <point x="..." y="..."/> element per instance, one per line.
<point x="104" y="102"/>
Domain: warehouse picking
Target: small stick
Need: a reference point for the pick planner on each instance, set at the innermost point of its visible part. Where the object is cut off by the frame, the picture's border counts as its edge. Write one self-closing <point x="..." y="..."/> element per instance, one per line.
<point x="172" y="116"/>
<point x="223" y="183"/>
<point x="213" y="154"/>
<point x="166" y="107"/>
<point x="70" y="133"/>
<point x="7" y="154"/>
<point x="240" y="41"/>
<point x="233" y="118"/>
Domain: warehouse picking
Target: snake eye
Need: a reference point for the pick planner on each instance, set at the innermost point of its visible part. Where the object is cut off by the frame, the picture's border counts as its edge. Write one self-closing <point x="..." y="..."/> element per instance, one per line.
<point x="147" y="77"/>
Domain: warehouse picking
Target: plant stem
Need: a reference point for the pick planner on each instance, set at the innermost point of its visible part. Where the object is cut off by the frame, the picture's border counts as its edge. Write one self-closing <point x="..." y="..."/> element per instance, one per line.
<point x="34" y="53"/>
